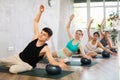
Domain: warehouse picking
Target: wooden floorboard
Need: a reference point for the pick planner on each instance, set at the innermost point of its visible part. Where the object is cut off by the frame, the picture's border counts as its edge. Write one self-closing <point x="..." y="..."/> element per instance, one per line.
<point x="105" y="69"/>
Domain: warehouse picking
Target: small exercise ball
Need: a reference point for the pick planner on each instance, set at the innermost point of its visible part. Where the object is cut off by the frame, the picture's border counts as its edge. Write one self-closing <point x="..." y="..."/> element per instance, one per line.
<point x="105" y="54"/>
<point x="53" y="70"/>
<point x="85" y="61"/>
<point x="113" y="50"/>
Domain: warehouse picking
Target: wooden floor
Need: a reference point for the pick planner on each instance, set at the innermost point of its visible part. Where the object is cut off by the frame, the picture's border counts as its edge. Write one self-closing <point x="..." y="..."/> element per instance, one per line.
<point x="105" y="69"/>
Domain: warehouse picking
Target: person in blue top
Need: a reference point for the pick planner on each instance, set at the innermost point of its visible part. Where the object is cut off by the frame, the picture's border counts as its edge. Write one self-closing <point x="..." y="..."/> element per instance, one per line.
<point x="72" y="46"/>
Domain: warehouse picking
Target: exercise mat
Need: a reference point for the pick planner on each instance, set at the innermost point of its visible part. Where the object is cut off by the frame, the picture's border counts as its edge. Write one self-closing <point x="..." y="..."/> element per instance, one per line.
<point x="38" y="72"/>
<point x="78" y="63"/>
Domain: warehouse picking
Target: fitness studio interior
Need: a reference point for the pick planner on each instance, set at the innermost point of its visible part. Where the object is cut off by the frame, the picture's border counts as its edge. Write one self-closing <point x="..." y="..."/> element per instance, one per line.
<point x="59" y="40"/>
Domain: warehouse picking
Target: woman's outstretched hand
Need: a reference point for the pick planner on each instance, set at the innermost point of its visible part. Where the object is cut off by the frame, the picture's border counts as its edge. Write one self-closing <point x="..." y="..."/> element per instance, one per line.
<point x="91" y="21"/>
<point x="41" y="8"/>
<point x="62" y="64"/>
<point x="71" y="17"/>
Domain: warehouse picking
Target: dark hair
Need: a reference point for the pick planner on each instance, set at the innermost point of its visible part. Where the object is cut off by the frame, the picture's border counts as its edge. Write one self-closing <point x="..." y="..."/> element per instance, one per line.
<point x="107" y="31"/>
<point x="80" y="31"/>
<point x="48" y="30"/>
<point x="96" y="33"/>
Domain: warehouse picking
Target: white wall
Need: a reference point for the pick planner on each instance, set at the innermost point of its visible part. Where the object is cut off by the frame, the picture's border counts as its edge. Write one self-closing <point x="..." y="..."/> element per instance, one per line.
<point x="66" y="9"/>
<point x="16" y="23"/>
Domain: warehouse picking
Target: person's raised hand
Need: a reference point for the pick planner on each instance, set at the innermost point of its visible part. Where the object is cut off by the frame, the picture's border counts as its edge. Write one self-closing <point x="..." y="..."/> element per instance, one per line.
<point x="102" y="22"/>
<point x="41" y="8"/>
<point x="91" y="21"/>
<point x="71" y="17"/>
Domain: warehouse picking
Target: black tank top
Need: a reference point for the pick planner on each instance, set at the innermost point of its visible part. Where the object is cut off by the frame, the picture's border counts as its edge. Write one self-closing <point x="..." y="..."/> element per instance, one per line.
<point x="104" y="42"/>
<point x="30" y="54"/>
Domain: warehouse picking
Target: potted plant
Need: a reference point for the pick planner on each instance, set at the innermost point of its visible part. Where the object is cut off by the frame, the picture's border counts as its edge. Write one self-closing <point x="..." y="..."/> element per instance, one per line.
<point x="112" y="20"/>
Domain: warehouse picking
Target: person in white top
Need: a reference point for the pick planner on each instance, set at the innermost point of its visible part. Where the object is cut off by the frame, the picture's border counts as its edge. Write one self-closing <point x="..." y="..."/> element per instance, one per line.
<point x="93" y="43"/>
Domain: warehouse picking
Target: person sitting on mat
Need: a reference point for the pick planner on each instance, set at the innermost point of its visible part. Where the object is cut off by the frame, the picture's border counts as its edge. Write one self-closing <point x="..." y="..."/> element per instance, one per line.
<point x="35" y="50"/>
<point x="93" y="43"/>
<point x="105" y="38"/>
<point x="105" y="41"/>
<point x="72" y="46"/>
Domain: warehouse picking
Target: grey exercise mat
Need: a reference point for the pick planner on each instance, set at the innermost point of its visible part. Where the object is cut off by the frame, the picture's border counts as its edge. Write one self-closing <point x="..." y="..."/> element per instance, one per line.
<point x="72" y="63"/>
<point x="76" y="56"/>
<point x="101" y="57"/>
<point x="38" y="72"/>
<point x="78" y="63"/>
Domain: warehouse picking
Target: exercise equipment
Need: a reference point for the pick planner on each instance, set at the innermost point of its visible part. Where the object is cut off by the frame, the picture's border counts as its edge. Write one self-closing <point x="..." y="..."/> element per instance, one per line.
<point x="85" y="61"/>
<point x="53" y="70"/>
<point x="105" y="54"/>
<point x="113" y="50"/>
<point x="37" y="72"/>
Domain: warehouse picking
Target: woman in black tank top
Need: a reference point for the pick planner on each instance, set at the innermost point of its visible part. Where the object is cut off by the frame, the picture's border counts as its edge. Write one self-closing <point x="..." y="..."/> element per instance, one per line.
<point x="105" y="37"/>
<point x="104" y="42"/>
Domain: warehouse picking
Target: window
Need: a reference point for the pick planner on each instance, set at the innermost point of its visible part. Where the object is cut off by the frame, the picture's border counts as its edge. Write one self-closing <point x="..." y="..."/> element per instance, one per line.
<point x="97" y="13"/>
<point x="80" y="11"/>
<point x="98" y="10"/>
<point x="110" y="4"/>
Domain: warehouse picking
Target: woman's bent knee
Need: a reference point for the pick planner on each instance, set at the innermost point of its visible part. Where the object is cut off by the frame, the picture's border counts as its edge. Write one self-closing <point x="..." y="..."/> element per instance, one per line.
<point x="20" y="68"/>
